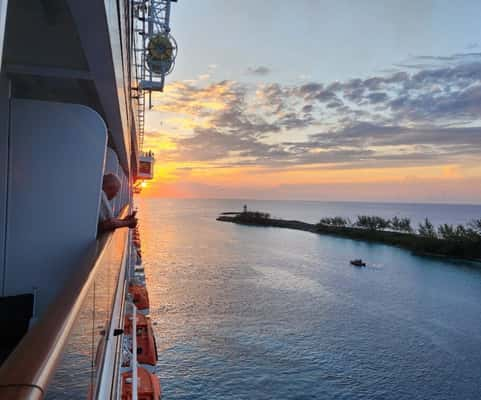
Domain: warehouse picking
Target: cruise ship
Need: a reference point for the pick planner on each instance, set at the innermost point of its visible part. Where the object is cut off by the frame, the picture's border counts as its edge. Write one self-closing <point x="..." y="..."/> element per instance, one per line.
<point x="76" y="79"/>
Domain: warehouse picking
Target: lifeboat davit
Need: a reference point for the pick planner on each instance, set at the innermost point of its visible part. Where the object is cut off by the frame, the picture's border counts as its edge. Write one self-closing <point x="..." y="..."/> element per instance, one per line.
<point x="146" y="348"/>
<point x="148" y="385"/>
<point x="140" y="296"/>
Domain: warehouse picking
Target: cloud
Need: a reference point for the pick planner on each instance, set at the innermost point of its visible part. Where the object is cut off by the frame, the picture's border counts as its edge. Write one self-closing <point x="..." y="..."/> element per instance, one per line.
<point x="295" y="121"/>
<point x="377" y="97"/>
<point x="424" y="116"/>
<point x="261" y="70"/>
<point x="199" y="101"/>
<point x="307" y="108"/>
<point x="405" y="144"/>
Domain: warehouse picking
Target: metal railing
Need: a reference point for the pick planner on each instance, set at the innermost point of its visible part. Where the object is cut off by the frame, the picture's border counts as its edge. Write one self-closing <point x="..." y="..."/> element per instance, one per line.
<point x="26" y="373"/>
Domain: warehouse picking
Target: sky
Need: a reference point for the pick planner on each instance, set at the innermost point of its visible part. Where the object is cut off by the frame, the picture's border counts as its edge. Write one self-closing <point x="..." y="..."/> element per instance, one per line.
<point x="321" y="100"/>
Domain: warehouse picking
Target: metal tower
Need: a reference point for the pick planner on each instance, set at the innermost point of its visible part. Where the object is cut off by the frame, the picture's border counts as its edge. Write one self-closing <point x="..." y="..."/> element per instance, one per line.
<point x="154" y="52"/>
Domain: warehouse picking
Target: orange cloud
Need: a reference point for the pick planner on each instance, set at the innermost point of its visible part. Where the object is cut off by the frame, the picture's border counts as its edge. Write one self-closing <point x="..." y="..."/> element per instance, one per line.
<point x="184" y="98"/>
<point x="225" y="139"/>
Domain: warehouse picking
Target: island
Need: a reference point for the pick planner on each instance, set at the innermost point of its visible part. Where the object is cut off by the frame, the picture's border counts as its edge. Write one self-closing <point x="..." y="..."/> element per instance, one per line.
<point x="461" y="242"/>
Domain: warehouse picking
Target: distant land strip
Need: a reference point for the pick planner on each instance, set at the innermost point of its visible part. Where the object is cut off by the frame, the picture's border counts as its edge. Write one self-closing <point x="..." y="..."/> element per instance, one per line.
<point x="420" y="245"/>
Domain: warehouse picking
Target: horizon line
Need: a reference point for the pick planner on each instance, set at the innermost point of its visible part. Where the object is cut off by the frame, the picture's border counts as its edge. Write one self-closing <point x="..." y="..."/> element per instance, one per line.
<point x="316" y="201"/>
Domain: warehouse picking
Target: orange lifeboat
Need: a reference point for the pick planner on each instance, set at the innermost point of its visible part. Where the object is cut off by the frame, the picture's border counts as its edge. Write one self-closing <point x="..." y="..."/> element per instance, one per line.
<point x="146" y="348"/>
<point x="138" y="255"/>
<point x="148" y="385"/>
<point x="140" y="296"/>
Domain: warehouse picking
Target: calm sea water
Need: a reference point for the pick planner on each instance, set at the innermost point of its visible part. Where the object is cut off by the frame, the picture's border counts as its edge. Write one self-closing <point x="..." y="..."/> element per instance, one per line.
<point x="265" y="313"/>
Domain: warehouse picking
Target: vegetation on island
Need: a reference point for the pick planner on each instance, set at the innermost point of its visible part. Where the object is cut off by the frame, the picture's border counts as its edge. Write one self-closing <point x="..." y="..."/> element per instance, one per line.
<point x="459" y="241"/>
<point x="448" y="240"/>
<point x="371" y="222"/>
<point x="335" y="221"/>
<point x="471" y="232"/>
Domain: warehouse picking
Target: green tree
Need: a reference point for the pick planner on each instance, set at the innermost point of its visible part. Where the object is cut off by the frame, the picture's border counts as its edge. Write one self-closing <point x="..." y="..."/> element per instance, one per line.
<point x="335" y="221"/>
<point x="446" y="232"/>
<point x="395" y="223"/>
<point x="475" y="225"/>
<point x="372" y="222"/>
<point x="405" y="225"/>
<point x="427" y="229"/>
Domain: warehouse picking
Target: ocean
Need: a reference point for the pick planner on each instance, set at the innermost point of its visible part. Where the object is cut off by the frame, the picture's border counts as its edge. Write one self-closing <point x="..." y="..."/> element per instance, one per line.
<point x="264" y="313"/>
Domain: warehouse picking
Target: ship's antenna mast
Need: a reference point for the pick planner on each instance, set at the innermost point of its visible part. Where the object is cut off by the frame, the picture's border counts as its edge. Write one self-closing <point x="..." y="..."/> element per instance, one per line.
<point x="155" y="50"/>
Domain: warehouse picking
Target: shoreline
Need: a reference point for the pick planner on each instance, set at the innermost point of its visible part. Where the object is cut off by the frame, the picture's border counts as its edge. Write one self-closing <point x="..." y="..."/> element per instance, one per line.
<point x="418" y="245"/>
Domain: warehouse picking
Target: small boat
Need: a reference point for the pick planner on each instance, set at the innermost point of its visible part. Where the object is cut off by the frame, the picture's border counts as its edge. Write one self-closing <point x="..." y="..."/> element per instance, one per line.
<point x="358" y="263"/>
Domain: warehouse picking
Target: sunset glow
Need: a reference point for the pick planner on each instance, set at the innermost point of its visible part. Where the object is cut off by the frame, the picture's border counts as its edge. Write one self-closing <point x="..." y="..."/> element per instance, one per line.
<point x="407" y="130"/>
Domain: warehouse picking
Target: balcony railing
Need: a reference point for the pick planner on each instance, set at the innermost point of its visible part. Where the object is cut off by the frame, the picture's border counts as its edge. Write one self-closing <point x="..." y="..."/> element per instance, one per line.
<point x="73" y="348"/>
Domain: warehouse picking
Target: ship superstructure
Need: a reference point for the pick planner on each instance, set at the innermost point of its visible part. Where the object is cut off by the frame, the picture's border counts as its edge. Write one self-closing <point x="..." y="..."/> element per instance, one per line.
<point x="75" y="79"/>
